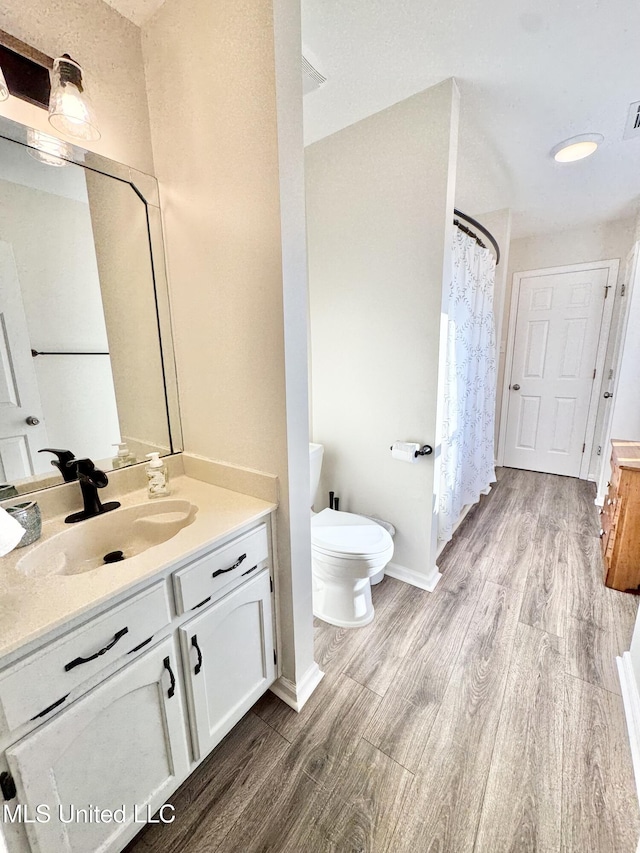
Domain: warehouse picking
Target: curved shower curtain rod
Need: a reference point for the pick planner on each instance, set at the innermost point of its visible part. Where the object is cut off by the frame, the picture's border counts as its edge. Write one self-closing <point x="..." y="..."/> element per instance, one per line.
<point x="480" y="227"/>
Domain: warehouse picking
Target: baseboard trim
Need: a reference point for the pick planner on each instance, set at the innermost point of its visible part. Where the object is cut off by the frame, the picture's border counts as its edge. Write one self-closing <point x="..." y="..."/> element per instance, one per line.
<point x="296" y="694"/>
<point x="428" y="582"/>
<point x="631" y="700"/>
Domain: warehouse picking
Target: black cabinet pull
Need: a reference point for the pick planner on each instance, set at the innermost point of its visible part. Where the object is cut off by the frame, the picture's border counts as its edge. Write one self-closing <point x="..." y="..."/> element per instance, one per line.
<point x="140" y="645"/>
<point x="231" y="568"/>
<point x="7" y="785"/>
<point x="78" y="661"/>
<point x="50" y="708"/>
<point x="194" y="643"/>
<point x="172" y="689"/>
<point x="248" y="572"/>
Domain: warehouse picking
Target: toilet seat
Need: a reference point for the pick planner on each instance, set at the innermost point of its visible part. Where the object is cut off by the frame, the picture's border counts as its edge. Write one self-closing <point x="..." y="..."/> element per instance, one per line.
<point x="348" y="536"/>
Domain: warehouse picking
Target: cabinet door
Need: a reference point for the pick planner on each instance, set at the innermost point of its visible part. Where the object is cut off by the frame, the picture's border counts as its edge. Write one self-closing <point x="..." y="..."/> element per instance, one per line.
<point x="229" y="660"/>
<point x="122" y="745"/>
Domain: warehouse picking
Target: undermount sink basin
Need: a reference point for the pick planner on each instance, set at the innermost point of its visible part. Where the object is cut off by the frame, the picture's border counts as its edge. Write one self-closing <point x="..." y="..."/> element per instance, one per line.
<point x="132" y="530"/>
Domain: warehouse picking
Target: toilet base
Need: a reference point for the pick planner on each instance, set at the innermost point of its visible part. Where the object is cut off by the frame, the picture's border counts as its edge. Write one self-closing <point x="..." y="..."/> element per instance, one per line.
<point x="345" y="602"/>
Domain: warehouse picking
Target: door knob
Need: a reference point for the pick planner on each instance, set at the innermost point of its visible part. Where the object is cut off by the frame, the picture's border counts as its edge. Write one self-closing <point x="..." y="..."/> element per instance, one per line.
<point x="516" y="387"/>
<point x="32" y="421"/>
<point x="607" y="394"/>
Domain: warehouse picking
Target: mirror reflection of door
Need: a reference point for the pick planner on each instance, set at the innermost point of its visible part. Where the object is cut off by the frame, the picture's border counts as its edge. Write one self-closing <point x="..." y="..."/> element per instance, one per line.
<point x="20" y="405"/>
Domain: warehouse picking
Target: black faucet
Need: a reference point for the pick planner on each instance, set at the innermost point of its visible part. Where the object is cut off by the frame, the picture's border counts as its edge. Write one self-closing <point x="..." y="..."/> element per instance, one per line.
<point x="69" y="472"/>
<point x="91" y="479"/>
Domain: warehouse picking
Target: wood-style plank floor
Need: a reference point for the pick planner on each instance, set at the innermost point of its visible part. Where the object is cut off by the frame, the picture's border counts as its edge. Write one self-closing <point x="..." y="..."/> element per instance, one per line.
<point x="484" y="717"/>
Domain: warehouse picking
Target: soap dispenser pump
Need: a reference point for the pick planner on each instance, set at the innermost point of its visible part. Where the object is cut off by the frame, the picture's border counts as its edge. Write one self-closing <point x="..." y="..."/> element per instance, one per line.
<point x="158" y="476"/>
<point x="124" y="456"/>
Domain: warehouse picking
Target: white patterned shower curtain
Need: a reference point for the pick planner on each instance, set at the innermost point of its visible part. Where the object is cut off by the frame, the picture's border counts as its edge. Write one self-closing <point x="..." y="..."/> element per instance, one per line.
<point x="467" y="461"/>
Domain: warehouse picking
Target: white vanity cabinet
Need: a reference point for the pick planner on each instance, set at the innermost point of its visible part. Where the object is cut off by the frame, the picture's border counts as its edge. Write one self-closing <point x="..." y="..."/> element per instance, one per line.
<point x="229" y="660"/>
<point x="117" y="712"/>
<point x="124" y="743"/>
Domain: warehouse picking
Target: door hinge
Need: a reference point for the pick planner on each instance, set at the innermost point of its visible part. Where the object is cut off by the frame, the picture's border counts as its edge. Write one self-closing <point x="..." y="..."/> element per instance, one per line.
<point x="270" y="583"/>
<point x="599" y="450"/>
<point x="606" y="290"/>
<point x="622" y="289"/>
<point x="594" y="373"/>
<point x="583" y="447"/>
<point x="275" y="658"/>
<point x="611" y="373"/>
<point x="7" y="785"/>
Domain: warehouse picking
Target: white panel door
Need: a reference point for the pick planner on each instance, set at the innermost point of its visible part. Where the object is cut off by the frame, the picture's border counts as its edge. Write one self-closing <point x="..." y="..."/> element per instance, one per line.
<point x="123" y="745"/>
<point x="19" y="395"/>
<point x="228" y="653"/>
<point x="558" y="323"/>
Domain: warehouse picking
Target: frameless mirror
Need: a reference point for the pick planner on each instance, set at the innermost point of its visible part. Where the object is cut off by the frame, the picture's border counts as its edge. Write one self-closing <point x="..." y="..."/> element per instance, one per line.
<point x="86" y="356"/>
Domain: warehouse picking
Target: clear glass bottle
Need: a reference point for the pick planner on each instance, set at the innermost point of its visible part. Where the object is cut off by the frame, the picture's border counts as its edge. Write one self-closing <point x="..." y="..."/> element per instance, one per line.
<point x="158" y="476"/>
<point x="124" y="456"/>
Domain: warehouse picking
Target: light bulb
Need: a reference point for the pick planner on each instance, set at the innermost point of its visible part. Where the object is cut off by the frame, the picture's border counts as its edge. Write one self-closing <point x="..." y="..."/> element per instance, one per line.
<point x="70" y="109"/>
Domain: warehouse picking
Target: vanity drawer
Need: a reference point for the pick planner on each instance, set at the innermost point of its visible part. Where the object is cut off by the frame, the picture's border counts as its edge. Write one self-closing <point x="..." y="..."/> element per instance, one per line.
<point x="221" y="570"/>
<point x="34" y="687"/>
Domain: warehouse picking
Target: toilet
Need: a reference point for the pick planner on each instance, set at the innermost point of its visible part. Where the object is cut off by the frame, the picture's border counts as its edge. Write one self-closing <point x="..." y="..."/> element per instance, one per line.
<point x="347" y="551"/>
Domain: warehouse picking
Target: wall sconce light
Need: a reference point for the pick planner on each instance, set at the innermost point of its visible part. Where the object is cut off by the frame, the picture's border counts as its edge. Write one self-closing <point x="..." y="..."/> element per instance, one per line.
<point x="4" y="90"/>
<point x="70" y="108"/>
<point x="55" y="85"/>
<point x="47" y="149"/>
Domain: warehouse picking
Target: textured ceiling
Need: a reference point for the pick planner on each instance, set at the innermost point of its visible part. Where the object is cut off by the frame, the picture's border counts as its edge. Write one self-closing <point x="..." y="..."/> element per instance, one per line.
<point x="137" y="11"/>
<point x="530" y="75"/>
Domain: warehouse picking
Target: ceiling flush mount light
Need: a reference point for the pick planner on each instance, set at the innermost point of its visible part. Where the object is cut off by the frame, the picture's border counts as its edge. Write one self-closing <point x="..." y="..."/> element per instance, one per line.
<point x="48" y="149"/>
<point x="576" y="148"/>
<point x="4" y="90"/>
<point x="70" y="109"/>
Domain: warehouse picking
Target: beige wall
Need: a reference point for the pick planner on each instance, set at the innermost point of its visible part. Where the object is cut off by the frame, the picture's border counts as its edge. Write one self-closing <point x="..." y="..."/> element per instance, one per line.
<point x="379" y="217"/>
<point x="215" y="138"/>
<point x="108" y="47"/>
<point x="603" y="242"/>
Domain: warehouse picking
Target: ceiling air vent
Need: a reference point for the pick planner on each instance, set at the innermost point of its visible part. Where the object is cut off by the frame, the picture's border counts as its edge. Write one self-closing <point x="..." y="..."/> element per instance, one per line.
<point x="633" y="121"/>
<point x="312" y="79"/>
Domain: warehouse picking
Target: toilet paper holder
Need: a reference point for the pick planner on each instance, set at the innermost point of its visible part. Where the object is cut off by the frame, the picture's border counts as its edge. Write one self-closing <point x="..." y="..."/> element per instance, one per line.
<point x="425" y="450"/>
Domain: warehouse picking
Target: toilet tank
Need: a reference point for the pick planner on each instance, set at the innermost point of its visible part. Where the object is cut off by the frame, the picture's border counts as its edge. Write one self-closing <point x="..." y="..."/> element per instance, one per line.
<point x="316" y="452"/>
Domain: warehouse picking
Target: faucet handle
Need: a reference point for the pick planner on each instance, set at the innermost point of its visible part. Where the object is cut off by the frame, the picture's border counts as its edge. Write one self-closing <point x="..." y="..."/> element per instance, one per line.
<point x="69" y="473"/>
<point x="87" y="471"/>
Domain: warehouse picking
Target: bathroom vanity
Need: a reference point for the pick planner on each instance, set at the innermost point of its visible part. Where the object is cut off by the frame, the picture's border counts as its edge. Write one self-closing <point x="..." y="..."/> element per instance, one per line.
<point x="115" y="682"/>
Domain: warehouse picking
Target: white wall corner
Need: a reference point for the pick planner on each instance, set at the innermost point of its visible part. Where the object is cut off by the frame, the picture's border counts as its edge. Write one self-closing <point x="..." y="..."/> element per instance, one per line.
<point x="631" y="700"/>
<point x="295" y="694"/>
<point x="428" y="580"/>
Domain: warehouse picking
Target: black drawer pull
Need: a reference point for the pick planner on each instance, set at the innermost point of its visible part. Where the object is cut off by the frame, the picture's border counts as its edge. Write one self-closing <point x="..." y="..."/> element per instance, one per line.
<point x="78" y="661"/>
<point x="50" y="708"/>
<point x="194" y="643"/>
<point x="248" y="572"/>
<point x="172" y="688"/>
<point x="231" y="568"/>
<point x="202" y="603"/>
<point x="140" y="645"/>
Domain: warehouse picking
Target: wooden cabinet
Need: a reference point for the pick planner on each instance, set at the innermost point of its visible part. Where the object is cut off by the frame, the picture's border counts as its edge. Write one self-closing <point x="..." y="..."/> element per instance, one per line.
<point x="229" y="660"/>
<point x="123" y="745"/>
<point x="620" y="518"/>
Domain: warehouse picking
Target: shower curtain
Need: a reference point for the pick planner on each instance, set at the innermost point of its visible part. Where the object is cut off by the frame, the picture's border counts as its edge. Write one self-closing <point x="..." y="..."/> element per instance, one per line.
<point x="467" y="461"/>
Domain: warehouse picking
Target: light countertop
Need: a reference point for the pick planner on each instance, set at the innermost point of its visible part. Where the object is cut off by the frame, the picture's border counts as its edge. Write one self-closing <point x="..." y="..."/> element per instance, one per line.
<point x="32" y="607"/>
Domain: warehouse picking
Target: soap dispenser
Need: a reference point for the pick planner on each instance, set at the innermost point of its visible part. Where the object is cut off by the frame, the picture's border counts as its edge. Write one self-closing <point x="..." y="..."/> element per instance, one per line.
<point x="158" y="476"/>
<point x="124" y="456"/>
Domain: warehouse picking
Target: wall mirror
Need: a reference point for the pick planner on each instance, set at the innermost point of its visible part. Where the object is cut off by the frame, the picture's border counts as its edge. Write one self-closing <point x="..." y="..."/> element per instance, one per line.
<point x="86" y="353"/>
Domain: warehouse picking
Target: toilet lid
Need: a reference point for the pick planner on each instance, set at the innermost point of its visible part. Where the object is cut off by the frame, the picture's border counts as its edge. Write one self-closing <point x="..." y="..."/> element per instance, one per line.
<point x="347" y="534"/>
